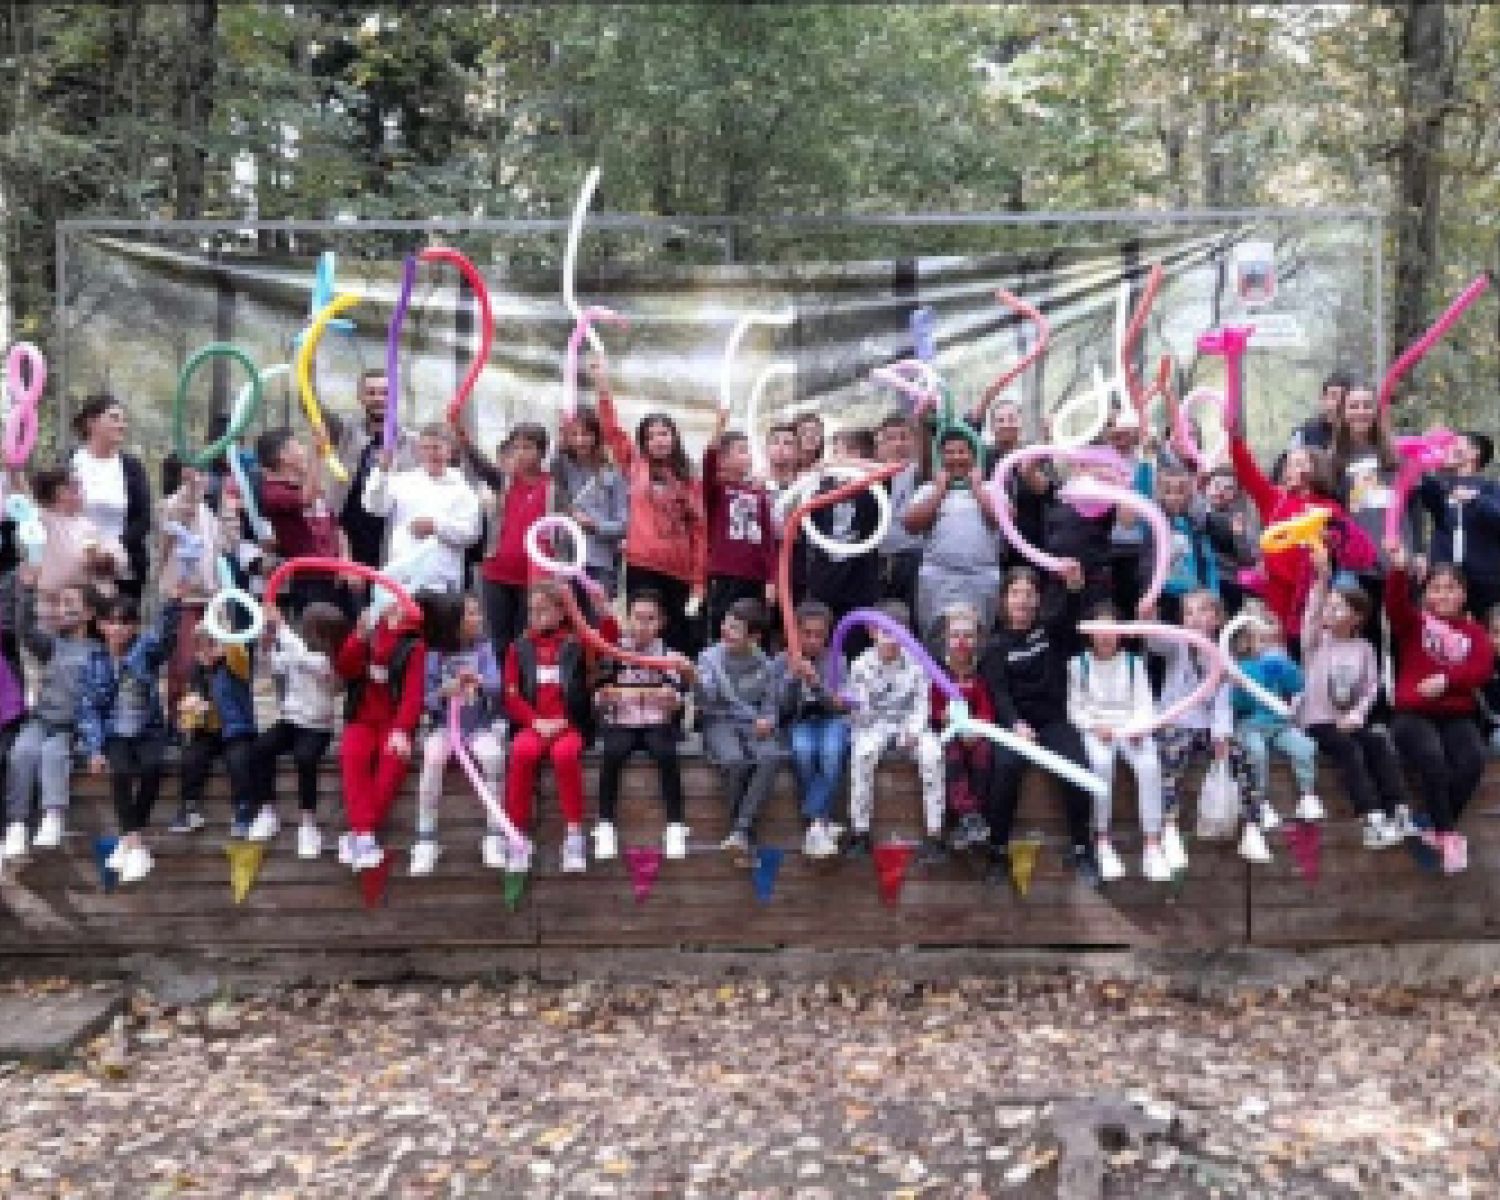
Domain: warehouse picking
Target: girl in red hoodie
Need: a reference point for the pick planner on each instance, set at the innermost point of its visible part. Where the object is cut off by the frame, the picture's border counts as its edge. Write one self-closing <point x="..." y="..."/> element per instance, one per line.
<point x="1443" y="656"/>
<point x="666" y="535"/>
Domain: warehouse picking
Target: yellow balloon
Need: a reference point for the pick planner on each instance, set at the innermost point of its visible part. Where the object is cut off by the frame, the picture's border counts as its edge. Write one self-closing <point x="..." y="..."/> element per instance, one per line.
<point x="1306" y="530"/>
<point x="310" y="404"/>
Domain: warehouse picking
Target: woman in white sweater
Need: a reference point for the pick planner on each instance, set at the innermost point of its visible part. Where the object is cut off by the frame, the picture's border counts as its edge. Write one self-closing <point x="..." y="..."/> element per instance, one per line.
<point x="1108" y="690"/>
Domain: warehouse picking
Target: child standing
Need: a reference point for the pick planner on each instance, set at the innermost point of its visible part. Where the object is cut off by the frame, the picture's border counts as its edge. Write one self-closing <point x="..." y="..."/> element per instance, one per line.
<point x="588" y="487"/>
<point x="120" y="721"/>
<point x="1108" y="690"/>
<point x="216" y="716"/>
<point x="818" y="725"/>
<point x="845" y="581"/>
<point x="640" y="709"/>
<point x="472" y="673"/>
<point x="738" y="696"/>
<point x="968" y="761"/>
<point x="891" y="713"/>
<point x="307" y="688"/>
<point x="293" y="504"/>
<point x="547" y="704"/>
<point x="741" y="538"/>
<point x="1260" y="730"/>
<point x="1193" y="565"/>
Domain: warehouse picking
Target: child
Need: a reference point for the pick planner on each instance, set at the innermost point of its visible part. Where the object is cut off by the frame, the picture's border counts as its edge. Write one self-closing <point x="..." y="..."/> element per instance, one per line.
<point x="470" y="672"/>
<point x="1489" y="694"/>
<point x="809" y="441"/>
<point x="78" y="554"/>
<point x="738" y="693"/>
<point x="588" y="487"/>
<point x="1342" y="684"/>
<point x="1205" y="733"/>
<point x="741" y="540"/>
<point x="519" y="495"/>
<point x="888" y="691"/>
<point x="1193" y="564"/>
<point x="845" y="581"/>
<point x="896" y="441"/>
<point x="1228" y="528"/>
<point x="1025" y="668"/>
<point x="818" y="725"/>
<point x="433" y="500"/>
<point x="193" y="537"/>
<point x="216" y="716"/>
<point x="967" y="761"/>
<point x="120" y="721"/>
<point x="781" y="457"/>
<point x="1259" y="730"/>
<point x="1108" y="690"/>
<point x="547" y="704"/>
<point x="666" y="542"/>
<point x="43" y="749"/>
<point x="1442" y="656"/>
<point x="308" y="689"/>
<point x="1464" y="505"/>
<point x="640" y="709"/>
<point x="293" y="504"/>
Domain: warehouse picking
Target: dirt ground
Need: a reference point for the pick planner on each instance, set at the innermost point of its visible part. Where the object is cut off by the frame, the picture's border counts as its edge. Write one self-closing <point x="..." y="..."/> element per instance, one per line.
<point x="816" y="1090"/>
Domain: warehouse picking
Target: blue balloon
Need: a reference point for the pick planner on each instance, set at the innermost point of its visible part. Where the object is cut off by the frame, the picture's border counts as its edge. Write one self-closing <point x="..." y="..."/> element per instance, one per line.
<point x="322" y="295"/>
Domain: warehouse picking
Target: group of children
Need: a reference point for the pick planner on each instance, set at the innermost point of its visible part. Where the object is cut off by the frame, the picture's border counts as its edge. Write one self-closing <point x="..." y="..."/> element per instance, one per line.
<point x="1373" y="648"/>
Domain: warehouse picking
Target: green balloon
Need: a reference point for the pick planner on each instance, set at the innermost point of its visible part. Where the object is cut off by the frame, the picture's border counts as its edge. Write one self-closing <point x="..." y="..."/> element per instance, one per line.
<point x="239" y="420"/>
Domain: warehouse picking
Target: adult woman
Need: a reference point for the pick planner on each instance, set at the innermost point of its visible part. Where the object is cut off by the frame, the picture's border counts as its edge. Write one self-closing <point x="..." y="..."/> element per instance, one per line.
<point x="116" y="491"/>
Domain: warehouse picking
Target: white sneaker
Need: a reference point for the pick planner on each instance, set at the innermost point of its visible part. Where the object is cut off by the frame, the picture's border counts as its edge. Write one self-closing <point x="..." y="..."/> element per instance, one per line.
<point x="49" y="834"/>
<point x="15" y="840"/>
<point x="493" y="851"/>
<point x="346" y="849"/>
<point x="1405" y="827"/>
<point x="117" y="856"/>
<point x="367" y="854"/>
<point x="674" y="840"/>
<point x="606" y="844"/>
<point x="309" y="841"/>
<point x="814" y="841"/>
<point x="137" y="865"/>
<point x="1380" y="832"/>
<point x="1172" y="848"/>
<point x="574" y="857"/>
<point x="1253" y="846"/>
<point x="1269" y="818"/>
<point x="518" y="858"/>
<point x="1310" y="808"/>
<point x="1154" y="864"/>
<point x="1110" y="866"/>
<point x="424" y="856"/>
<point x="265" y="826"/>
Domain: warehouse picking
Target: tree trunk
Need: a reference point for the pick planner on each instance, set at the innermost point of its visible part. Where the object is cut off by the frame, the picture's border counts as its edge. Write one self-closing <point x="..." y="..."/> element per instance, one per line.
<point x="1427" y="88"/>
<point x="195" y="104"/>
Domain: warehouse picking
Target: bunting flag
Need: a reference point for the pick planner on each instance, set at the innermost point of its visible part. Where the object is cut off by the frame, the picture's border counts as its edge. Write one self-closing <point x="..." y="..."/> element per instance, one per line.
<point x="374" y="884"/>
<point x="244" y="865"/>
<point x="645" y="865"/>
<point x="1023" y="856"/>
<point x="103" y="848"/>
<point x="1305" y="840"/>
<point x="891" y="861"/>
<point x="515" y="888"/>
<point x="763" y="871"/>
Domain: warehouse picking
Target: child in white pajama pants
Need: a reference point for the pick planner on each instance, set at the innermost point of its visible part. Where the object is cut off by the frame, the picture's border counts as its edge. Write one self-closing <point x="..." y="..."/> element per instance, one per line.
<point x="870" y="742"/>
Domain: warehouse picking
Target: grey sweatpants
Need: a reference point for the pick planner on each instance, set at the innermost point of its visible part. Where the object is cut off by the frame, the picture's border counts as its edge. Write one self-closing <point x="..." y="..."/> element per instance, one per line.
<point x="38" y="754"/>
<point x="748" y="764"/>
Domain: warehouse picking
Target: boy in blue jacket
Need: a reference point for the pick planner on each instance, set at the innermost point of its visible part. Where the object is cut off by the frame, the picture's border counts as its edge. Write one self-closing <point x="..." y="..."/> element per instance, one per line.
<point x="1261" y="730"/>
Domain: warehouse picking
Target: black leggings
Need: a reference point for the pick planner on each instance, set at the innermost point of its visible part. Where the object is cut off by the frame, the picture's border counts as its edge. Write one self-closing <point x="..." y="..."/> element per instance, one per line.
<point x="307" y="748"/>
<point x="504" y="615"/>
<point x="238" y="753"/>
<point x="678" y="633"/>
<point x="1368" y="765"/>
<point x="617" y="743"/>
<point x="135" y="778"/>
<point x="1005" y="785"/>
<point x="1447" y="755"/>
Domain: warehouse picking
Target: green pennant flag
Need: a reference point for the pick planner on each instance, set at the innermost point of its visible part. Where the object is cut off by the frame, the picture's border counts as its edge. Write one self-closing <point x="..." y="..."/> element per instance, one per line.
<point x="515" y="888"/>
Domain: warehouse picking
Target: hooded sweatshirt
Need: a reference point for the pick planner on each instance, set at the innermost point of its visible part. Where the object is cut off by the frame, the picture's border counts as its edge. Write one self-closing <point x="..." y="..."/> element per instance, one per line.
<point x="1427" y="646"/>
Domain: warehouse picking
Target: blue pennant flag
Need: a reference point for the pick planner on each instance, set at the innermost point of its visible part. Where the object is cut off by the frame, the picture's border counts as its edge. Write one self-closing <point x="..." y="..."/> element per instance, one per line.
<point x="763" y="873"/>
<point x="103" y="848"/>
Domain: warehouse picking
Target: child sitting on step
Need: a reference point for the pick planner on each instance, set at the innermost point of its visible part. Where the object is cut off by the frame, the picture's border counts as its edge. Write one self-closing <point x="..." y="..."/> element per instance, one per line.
<point x="1260" y="730"/>
<point x="216" y="717"/>
<point x="818" y="724"/>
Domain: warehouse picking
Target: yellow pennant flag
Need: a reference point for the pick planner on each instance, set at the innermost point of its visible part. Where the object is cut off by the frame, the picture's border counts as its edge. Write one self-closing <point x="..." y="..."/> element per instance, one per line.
<point x="1023" y="863"/>
<point x="244" y="866"/>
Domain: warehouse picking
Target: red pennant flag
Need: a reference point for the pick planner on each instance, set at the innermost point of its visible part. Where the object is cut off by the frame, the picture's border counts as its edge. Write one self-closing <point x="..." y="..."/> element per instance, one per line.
<point x="645" y="865"/>
<point x="891" y="861"/>
<point x="374" y="882"/>
<point x="1305" y="840"/>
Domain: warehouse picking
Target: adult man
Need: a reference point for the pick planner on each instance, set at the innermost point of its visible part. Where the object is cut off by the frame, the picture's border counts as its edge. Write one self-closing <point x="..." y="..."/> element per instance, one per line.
<point x="432" y="500"/>
<point x="357" y="443"/>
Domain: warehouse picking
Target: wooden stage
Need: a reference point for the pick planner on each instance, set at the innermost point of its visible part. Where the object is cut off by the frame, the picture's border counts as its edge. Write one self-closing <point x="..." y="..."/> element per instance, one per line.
<point x="55" y="915"/>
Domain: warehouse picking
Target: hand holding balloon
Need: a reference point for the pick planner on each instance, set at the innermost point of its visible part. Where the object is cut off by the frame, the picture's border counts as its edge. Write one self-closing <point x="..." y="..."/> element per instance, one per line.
<point x="1303" y="530"/>
<point x="582" y="327"/>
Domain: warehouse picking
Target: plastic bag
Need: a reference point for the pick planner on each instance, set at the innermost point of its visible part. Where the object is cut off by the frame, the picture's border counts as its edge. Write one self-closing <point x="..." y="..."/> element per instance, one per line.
<point x="1218" y="803"/>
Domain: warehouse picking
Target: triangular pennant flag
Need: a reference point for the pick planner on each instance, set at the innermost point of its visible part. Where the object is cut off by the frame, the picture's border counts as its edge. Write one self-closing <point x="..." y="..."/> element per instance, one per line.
<point x="514" y="888"/>
<point x="373" y="884"/>
<point x="891" y="861"/>
<point x="763" y="872"/>
<point x="1305" y="840"/>
<point x="103" y="848"/>
<point x="1023" y="856"/>
<point x="645" y="865"/>
<point x="244" y="865"/>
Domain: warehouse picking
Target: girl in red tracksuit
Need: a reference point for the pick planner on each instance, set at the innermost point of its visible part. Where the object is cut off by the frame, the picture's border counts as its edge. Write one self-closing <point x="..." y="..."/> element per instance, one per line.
<point x="547" y="704"/>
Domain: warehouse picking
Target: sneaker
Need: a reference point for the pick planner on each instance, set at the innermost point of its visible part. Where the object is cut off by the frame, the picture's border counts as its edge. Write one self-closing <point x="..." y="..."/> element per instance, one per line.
<point x="1110" y="866"/>
<point x="346" y="849"/>
<point x="1405" y="826"/>
<point x="1172" y="848"/>
<point x="574" y="856"/>
<point x="1310" y="808"/>
<point x="1253" y="846"/>
<point x="812" y="840"/>
<point x="1269" y="818"/>
<point x="366" y="852"/>
<point x="495" y="851"/>
<point x="606" y="844"/>
<point x="1454" y="848"/>
<point x="117" y="856"/>
<point x="932" y="852"/>
<point x="137" y="865"/>
<point x="309" y="841"/>
<point x="1154" y="864"/>
<point x="15" y="840"/>
<point x="49" y="834"/>
<point x="186" y="822"/>
<point x="239" y="829"/>
<point x="737" y="843"/>
<point x="970" y="832"/>
<point x="858" y="845"/>
<point x="265" y="826"/>
<point x="424" y="856"/>
<point x="518" y="857"/>
<point x="674" y="840"/>
<point x="1378" y="832"/>
<point x="1085" y="866"/>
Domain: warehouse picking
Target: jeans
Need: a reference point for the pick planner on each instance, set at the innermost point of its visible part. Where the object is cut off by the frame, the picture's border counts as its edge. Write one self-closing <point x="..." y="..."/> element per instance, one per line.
<point x="1261" y="737"/>
<point x="39" y="752"/>
<point x="819" y="747"/>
